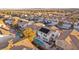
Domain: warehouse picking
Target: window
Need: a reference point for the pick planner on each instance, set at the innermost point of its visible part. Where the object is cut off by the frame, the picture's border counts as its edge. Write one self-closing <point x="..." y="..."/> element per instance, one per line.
<point x="52" y="34"/>
<point x="45" y="35"/>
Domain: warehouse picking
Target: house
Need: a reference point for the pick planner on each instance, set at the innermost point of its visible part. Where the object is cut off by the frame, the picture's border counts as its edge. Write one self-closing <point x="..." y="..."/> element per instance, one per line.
<point x="65" y="25"/>
<point x="55" y="21"/>
<point x="51" y="22"/>
<point x="35" y="18"/>
<point x="39" y="24"/>
<point x="47" y="35"/>
<point x="21" y="24"/>
<point x="23" y="16"/>
<point x="1" y="16"/>
<point x="45" y="38"/>
<point x="8" y="21"/>
<point x="76" y="25"/>
<point x="47" y="22"/>
<point x="31" y="17"/>
<point x="30" y="23"/>
<point x="24" y="23"/>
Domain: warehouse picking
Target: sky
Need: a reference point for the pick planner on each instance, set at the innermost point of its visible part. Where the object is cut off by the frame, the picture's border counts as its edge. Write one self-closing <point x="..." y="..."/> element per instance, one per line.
<point x="39" y="4"/>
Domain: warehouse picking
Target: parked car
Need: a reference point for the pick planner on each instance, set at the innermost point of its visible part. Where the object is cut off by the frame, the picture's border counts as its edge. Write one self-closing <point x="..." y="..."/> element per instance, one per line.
<point x="46" y="38"/>
<point x="47" y="34"/>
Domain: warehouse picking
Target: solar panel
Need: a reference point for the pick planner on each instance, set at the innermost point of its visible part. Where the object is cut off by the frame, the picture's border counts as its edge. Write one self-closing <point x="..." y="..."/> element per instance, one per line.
<point x="44" y="30"/>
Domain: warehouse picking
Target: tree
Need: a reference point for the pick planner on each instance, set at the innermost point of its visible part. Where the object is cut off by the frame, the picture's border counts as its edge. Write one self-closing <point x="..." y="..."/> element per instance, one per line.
<point x="60" y="23"/>
<point x="29" y="33"/>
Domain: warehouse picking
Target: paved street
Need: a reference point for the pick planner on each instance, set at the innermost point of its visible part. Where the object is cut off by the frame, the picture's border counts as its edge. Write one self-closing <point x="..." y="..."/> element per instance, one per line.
<point x="64" y="34"/>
